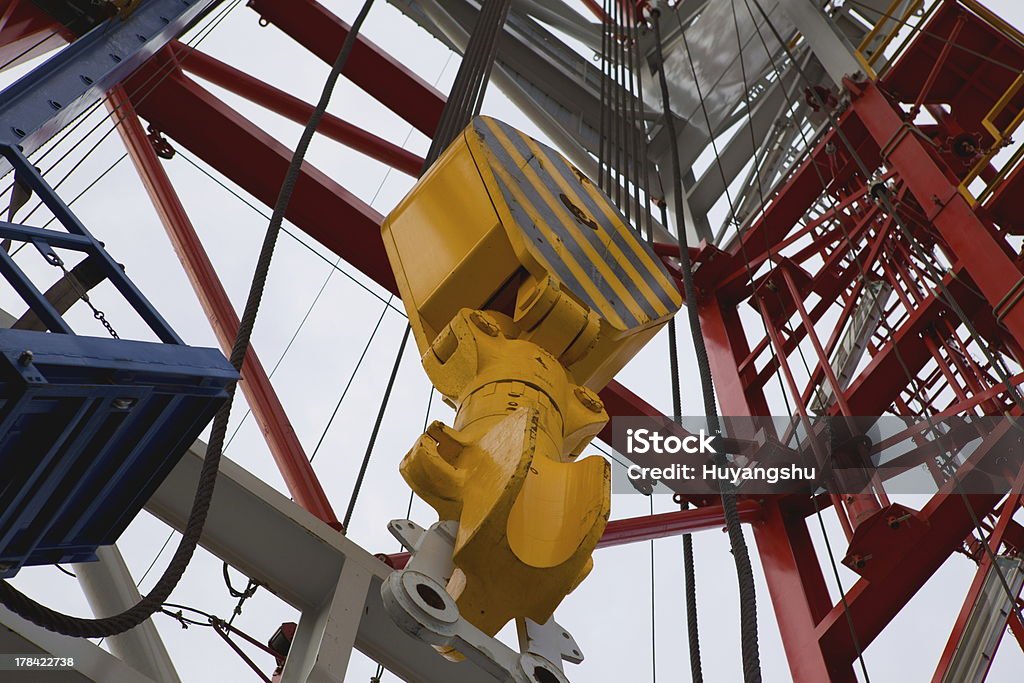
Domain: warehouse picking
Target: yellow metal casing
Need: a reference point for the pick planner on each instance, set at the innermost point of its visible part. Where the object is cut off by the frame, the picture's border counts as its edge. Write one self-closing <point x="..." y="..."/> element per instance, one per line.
<point x="526" y="292"/>
<point x="529" y="515"/>
<point x="503" y="222"/>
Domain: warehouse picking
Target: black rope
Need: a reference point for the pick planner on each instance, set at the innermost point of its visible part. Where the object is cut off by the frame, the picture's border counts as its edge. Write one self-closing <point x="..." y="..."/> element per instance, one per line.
<point x="351" y="378"/>
<point x="689" y="572"/>
<point x="654" y="605"/>
<point x="467" y="93"/>
<point x="741" y="555"/>
<point x="153" y="601"/>
<point x="376" y="430"/>
<point x="641" y="177"/>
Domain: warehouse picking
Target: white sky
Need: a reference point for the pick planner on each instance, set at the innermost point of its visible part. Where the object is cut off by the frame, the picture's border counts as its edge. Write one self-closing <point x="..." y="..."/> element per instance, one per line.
<point x="610" y="614"/>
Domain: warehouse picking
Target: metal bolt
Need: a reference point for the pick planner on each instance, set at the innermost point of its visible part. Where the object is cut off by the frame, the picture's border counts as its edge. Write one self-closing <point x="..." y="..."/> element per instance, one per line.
<point x="25" y="359"/>
<point x="589" y="399"/>
<point x="484" y="322"/>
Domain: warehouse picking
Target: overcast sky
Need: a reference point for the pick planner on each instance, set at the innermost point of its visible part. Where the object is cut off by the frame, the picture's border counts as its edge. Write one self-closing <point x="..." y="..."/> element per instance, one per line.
<point x="611" y="613"/>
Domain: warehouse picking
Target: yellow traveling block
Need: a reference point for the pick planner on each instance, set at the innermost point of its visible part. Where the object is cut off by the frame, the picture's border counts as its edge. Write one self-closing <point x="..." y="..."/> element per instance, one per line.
<point x="526" y="293"/>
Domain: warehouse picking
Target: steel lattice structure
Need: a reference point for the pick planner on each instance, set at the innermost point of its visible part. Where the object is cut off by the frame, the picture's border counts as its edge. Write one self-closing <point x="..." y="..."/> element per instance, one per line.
<point x="868" y="261"/>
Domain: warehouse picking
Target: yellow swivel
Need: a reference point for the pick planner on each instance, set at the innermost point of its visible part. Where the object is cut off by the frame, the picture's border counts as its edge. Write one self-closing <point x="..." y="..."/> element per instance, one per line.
<point x="526" y="293"/>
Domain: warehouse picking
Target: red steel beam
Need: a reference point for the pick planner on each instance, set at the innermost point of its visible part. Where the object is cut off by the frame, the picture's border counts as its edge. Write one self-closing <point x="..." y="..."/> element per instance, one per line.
<point x="984" y="254"/>
<point x="596" y="10"/>
<point x="369" y="66"/>
<point x="650" y="527"/>
<point x="871" y="605"/>
<point x="237" y="81"/>
<point x="26" y="32"/>
<point x="257" y="162"/>
<point x="284" y="445"/>
<point x="791" y="569"/>
<point x="1017" y="629"/>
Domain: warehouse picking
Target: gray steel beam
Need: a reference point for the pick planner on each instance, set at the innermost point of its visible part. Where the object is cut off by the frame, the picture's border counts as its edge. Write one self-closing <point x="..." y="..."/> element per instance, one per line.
<point x="326" y="635"/>
<point x="561" y="82"/>
<point x="91" y="663"/>
<point x="110" y="589"/>
<point x="737" y="151"/>
<point x="300" y="559"/>
<point x="560" y="17"/>
<point x="829" y="44"/>
<point x="457" y="37"/>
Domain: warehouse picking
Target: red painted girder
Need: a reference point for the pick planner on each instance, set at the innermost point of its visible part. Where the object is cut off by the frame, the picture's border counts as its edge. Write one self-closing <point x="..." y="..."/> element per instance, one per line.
<point x="257" y="162"/>
<point x="284" y="445"/>
<point x="798" y="593"/>
<point x="596" y="10"/>
<point x="984" y="254"/>
<point x="1017" y="629"/>
<point x="619" y="400"/>
<point x="26" y="32"/>
<point x="791" y="568"/>
<point x="636" y="529"/>
<point x="649" y="527"/>
<point x="369" y="67"/>
<point x="873" y="604"/>
<point x="276" y="100"/>
<point x="727" y="347"/>
<point x="995" y="540"/>
<point x="727" y="273"/>
<point x="886" y="374"/>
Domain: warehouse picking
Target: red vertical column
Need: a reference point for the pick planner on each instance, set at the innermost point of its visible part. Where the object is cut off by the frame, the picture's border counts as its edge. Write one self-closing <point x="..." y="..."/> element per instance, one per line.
<point x="791" y="569"/>
<point x="284" y="445"/>
<point x="983" y="253"/>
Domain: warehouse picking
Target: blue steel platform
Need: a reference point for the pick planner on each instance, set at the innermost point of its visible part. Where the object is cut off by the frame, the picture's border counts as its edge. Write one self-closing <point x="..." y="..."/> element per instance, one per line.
<point x="89" y="427"/>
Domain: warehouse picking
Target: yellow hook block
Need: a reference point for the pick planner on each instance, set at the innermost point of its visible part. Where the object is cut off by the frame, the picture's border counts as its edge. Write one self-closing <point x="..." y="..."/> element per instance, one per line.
<point x="529" y="515"/>
<point x="526" y="292"/>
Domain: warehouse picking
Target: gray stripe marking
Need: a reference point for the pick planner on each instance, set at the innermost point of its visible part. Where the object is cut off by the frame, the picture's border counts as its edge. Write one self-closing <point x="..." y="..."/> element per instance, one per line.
<point x="567" y="240"/>
<point x="644" y="269"/>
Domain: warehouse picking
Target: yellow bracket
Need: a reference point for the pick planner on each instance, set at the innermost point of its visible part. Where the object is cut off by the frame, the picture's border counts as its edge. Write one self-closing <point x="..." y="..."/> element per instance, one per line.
<point x="877" y="52"/>
<point x="1000" y="136"/>
<point x="529" y="514"/>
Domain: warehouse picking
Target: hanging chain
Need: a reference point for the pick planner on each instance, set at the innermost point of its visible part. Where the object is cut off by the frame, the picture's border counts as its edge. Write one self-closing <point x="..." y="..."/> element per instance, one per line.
<point x="82" y="293"/>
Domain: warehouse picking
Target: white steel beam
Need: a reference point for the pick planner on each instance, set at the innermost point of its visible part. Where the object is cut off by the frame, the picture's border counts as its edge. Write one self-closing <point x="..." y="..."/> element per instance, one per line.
<point x="91" y="663"/>
<point x="826" y="41"/>
<point x="310" y="566"/>
<point x="110" y="589"/>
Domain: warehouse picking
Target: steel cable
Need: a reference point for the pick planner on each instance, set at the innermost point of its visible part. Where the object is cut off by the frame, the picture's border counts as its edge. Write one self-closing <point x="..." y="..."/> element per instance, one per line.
<point x="741" y="555"/>
<point x="689" y="571"/>
<point x="471" y="83"/>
